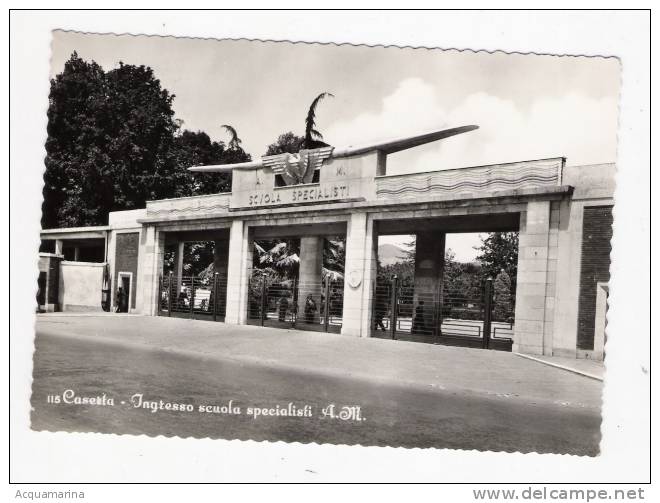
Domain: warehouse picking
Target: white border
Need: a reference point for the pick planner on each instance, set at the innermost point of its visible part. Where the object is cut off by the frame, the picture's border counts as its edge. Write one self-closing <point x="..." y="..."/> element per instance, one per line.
<point x="95" y="457"/>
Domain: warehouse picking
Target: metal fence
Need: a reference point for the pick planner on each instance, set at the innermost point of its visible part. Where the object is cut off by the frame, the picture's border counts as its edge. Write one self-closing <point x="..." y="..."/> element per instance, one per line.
<point x="193" y="297"/>
<point x="290" y="303"/>
<point x="416" y="312"/>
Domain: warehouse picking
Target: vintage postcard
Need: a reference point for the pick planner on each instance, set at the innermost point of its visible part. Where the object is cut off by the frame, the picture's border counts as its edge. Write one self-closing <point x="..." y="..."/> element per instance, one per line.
<point x="330" y="244"/>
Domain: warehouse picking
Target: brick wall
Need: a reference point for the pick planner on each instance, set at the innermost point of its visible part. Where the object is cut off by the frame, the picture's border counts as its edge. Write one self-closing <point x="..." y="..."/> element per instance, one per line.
<point x="126" y="260"/>
<point x="595" y="267"/>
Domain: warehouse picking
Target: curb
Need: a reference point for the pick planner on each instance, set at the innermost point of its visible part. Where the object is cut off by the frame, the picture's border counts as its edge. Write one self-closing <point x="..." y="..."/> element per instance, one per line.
<point x="562" y="367"/>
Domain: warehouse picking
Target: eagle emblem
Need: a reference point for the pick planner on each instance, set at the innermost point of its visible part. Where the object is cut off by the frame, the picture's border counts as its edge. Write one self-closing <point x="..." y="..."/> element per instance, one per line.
<point x="298" y="168"/>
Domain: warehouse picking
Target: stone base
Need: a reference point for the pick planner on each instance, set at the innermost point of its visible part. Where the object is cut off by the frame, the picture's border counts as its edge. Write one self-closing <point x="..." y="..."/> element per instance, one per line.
<point x="49" y="308"/>
<point x="590" y="355"/>
<point x="527" y="349"/>
<point x="74" y="308"/>
<point x="564" y="353"/>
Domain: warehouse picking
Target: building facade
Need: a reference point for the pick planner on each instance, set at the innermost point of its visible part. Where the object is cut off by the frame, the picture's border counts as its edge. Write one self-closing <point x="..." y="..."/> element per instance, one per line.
<point x="563" y="215"/>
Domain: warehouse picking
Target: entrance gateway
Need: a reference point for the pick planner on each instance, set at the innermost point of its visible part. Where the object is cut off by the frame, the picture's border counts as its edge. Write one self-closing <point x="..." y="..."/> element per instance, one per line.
<point x="346" y="195"/>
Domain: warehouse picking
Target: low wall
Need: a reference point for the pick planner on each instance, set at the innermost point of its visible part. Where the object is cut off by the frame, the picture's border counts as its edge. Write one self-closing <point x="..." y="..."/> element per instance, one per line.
<point x="80" y="286"/>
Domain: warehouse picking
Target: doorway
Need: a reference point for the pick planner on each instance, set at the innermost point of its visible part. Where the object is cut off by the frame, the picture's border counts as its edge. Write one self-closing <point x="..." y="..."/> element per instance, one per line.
<point x="123" y="300"/>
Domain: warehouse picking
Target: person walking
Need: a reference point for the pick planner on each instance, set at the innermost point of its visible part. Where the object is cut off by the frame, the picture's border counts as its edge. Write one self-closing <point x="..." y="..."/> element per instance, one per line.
<point x="379" y="312"/>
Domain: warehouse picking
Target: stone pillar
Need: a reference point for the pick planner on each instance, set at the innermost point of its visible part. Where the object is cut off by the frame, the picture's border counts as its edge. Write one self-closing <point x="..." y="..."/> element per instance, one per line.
<point x="310" y="274"/>
<point x="600" y="324"/>
<point x="76" y="253"/>
<point x="49" y="281"/>
<point x="220" y="257"/>
<point x="178" y="266"/>
<point x="150" y="268"/>
<point x="359" y="276"/>
<point x="534" y="291"/>
<point x="429" y="270"/>
<point x="59" y="247"/>
<point x="239" y="265"/>
<point x="370" y="274"/>
<point x="112" y="260"/>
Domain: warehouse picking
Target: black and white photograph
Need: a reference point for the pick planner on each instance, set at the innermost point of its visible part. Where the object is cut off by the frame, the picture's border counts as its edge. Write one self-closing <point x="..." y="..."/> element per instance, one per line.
<point x="337" y="244"/>
<point x="308" y="252"/>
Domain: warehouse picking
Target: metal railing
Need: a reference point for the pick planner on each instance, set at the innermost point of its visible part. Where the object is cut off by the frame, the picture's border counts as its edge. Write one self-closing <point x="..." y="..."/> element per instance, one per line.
<point x="289" y="303"/>
<point x="193" y="297"/>
<point x="416" y="312"/>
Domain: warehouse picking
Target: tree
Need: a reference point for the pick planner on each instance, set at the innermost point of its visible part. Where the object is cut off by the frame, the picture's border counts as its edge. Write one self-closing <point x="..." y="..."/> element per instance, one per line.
<point x="334" y="257"/>
<point x="462" y="280"/>
<point x="286" y="143"/>
<point x="113" y="143"/>
<point x="313" y="138"/>
<point x="292" y="143"/>
<point x="235" y="141"/>
<point x="499" y="251"/>
<point x="277" y="257"/>
<point x="197" y="149"/>
<point x="502" y="298"/>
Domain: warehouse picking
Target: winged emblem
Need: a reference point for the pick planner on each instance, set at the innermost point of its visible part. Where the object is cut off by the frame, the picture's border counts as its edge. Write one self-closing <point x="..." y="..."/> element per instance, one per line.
<point x="298" y="168"/>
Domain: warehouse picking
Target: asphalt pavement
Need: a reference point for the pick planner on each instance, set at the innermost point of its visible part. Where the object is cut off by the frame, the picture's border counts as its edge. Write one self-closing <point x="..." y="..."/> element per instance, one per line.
<point x="249" y="382"/>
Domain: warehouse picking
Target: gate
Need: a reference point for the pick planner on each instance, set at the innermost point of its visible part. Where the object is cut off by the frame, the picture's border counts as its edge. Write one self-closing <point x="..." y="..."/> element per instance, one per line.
<point x="193" y="297"/>
<point x="402" y="311"/>
<point x="291" y="304"/>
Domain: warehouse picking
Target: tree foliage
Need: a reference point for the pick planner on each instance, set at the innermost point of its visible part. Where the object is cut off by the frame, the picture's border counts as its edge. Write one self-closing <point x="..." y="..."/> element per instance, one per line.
<point x="277" y="257"/>
<point x="502" y="297"/>
<point x="280" y="258"/>
<point x="286" y="143"/>
<point x="291" y="143"/>
<point x="499" y="252"/>
<point x="334" y="257"/>
<point x="113" y="143"/>
<point x="462" y="280"/>
<point x="313" y="137"/>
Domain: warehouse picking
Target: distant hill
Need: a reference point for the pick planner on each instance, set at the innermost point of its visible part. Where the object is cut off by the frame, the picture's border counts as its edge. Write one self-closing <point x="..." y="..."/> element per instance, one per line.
<point x="389" y="254"/>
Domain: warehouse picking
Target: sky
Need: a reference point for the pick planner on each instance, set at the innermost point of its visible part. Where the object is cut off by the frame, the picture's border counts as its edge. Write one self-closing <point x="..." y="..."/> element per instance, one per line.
<point x="461" y="244"/>
<point x="526" y="106"/>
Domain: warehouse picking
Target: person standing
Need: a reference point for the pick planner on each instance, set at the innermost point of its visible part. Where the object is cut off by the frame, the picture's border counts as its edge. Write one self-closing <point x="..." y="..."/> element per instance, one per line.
<point x="419" y="324"/>
<point x="310" y="309"/>
<point x="121" y="300"/>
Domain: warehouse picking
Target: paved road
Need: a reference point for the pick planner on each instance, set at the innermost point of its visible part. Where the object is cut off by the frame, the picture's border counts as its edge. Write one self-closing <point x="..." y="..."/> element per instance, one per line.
<point x="392" y="413"/>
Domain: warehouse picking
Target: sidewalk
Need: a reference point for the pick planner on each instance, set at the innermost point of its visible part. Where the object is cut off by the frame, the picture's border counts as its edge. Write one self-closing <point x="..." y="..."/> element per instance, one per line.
<point x="396" y="362"/>
<point x="588" y="368"/>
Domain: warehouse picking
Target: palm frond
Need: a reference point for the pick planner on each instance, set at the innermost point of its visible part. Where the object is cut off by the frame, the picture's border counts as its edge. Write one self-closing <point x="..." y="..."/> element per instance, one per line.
<point x="234" y="140"/>
<point x="287" y="261"/>
<point x="310" y="120"/>
<point x="332" y="275"/>
<point x="278" y="248"/>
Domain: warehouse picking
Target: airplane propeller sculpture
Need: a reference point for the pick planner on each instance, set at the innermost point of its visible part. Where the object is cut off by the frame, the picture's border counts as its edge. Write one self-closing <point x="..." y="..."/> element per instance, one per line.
<point x="300" y="167"/>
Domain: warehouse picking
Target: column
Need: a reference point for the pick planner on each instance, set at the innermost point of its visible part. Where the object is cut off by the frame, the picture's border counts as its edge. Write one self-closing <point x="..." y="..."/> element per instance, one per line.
<point x="220" y="257"/>
<point x="178" y="266"/>
<point x="429" y="269"/>
<point x="76" y="253"/>
<point x="239" y="265"/>
<point x="59" y="247"/>
<point x="532" y="281"/>
<point x="359" y="275"/>
<point x="150" y="268"/>
<point x="310" y="276"/>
